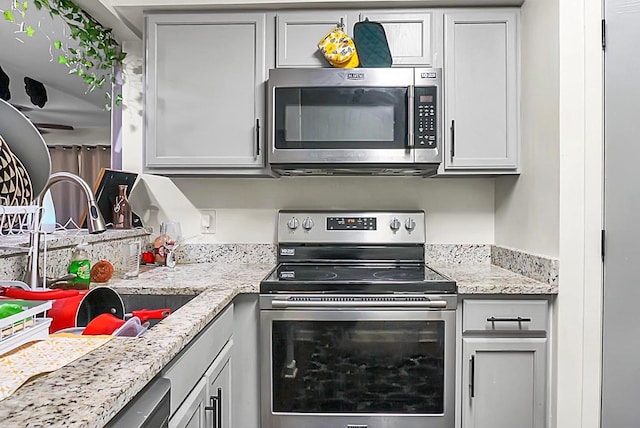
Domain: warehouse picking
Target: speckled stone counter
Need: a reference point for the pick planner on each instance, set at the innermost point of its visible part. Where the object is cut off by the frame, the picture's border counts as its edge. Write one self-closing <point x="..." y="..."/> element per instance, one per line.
<point x="490" y="279"/>
<point x="93" y="389"/>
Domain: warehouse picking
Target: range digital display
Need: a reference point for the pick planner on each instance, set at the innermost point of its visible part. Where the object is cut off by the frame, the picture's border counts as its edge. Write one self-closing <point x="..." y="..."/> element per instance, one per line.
<point x="351" y="223"/>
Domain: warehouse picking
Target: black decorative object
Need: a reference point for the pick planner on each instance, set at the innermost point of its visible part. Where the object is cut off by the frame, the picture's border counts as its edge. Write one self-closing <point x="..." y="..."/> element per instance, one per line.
<point x="106" y="191"/>
<point x="36" y="91"/>
<point x="5" y="94"/>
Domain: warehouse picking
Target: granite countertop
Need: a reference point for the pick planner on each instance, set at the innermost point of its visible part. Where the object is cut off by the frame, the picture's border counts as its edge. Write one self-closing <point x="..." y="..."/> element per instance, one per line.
<point x="490" y="279"/>
<point x="93" y="389"/>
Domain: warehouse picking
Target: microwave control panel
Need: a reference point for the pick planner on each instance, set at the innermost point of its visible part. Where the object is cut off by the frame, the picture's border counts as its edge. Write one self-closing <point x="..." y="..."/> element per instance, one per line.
<point x="426" y="117"/>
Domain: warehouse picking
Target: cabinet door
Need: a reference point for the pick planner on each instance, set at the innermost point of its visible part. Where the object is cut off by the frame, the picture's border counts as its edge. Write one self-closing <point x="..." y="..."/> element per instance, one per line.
<point x="504" y="383"/>
<point x="408" y="35"/>
<point x="218" y="378"/>
<point x="481" y="90"/>
<point x="191" y="412"/>
<point x="205" y="93"/>
<point x="298" y="34"/>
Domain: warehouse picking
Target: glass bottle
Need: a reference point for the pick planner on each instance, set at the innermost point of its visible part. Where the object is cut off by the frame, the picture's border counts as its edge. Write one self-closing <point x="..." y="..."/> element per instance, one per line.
<point x="122" y="209"/>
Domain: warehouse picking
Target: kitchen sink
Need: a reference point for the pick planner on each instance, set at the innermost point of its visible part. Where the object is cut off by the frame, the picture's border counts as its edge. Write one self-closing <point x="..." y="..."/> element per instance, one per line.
<point x="134" y="302"/>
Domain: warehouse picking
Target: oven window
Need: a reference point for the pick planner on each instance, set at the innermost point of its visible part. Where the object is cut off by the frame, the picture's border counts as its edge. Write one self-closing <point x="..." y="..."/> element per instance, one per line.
<point x="340" y="118"/>
<point x="358" y="367"/>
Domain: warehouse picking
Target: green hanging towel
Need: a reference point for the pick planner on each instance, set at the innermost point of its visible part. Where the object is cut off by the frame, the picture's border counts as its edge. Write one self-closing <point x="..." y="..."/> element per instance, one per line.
<point x="371" y="44"/>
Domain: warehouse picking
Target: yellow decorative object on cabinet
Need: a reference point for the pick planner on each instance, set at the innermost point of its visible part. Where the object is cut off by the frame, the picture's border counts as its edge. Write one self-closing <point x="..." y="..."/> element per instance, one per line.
<point x="338" y="48"/>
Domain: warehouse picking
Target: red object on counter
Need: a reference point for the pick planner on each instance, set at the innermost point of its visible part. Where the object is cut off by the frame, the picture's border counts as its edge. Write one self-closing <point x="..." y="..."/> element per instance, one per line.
<point x="148" y="257"/>
<point x="107" y="323"/>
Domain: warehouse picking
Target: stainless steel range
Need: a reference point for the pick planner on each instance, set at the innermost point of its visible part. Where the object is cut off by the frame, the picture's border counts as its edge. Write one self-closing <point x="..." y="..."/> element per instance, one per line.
<point x="356" y="331"/>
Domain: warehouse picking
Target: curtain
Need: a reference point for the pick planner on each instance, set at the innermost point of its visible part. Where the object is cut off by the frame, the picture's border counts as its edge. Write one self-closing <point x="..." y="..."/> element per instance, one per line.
<point x="85" y="161"/>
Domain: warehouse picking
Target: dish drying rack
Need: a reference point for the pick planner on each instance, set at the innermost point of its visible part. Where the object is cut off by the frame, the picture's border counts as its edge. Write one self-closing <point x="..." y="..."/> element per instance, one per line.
<point x="17" y="223"/>
<point x="25" y="326"/>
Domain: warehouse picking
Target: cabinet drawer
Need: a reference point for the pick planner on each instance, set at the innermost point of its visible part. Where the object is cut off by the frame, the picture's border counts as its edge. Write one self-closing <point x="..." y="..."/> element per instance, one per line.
<point x="503" y="315"/>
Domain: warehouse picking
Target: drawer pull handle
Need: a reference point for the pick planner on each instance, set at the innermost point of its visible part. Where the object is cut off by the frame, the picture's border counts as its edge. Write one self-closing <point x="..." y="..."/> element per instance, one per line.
<point x="518" y="319"/>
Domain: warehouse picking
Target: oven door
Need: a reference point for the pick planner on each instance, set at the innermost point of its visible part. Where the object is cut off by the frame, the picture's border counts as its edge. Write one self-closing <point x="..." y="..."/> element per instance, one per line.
<point x="320" y="117"/>
<point x="346" y="367"/>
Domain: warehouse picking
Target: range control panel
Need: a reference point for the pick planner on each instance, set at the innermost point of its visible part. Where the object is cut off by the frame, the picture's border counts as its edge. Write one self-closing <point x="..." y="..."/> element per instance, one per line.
<point x="351" y="223"/>
<point x="379" y="227"/>
<point x="426" y="117"/>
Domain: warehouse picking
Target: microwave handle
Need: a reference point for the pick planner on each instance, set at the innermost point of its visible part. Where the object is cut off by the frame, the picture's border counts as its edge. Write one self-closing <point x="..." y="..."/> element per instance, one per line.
<point x="410" y="116"/>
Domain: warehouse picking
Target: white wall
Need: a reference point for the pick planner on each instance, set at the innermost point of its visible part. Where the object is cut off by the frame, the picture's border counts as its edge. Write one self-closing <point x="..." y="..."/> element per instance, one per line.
<point x="459" y="210"/>
<point x="527" y="207"/>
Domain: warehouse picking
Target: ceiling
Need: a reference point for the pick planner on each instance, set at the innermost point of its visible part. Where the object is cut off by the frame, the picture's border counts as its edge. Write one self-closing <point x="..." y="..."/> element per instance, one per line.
<point x="35" y="57"/>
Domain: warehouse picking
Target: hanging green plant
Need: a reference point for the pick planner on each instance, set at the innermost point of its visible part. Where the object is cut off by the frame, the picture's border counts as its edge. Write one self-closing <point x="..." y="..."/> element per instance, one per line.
<point x="97" y="55"/>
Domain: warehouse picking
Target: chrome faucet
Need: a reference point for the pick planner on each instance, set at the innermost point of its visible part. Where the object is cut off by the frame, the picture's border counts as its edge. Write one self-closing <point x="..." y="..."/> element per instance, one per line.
<point x="95" y="224"/>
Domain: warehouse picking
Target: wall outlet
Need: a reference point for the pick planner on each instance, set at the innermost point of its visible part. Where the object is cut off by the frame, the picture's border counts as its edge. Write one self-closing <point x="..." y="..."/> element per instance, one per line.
<point x="208" y="221"/>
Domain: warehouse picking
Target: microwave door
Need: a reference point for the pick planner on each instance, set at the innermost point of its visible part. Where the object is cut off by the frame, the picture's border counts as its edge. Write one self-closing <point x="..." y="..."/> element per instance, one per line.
<point x="344" y="125"/>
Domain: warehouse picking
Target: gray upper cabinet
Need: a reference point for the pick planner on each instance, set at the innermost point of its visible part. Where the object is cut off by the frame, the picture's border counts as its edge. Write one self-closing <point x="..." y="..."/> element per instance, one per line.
<point x="409" y="36"/>
<point x="204" y="102"/>
<point x="481" y="75"/>
<point x="298" y="34"/>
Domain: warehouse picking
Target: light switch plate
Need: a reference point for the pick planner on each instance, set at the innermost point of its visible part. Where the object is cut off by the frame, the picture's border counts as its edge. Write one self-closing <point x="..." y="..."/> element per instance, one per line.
<point x="208" y="221"/>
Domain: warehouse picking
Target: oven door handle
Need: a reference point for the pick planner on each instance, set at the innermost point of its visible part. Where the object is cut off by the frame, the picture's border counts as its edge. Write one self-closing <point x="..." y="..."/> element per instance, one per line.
<point x="430" y="304"/>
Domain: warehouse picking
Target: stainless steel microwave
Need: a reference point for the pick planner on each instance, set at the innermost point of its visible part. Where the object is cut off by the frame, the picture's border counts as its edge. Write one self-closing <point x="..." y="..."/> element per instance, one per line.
<point x="380" y="121"/>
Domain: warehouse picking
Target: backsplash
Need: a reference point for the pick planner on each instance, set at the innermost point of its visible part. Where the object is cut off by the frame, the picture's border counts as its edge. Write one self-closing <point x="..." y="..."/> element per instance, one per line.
<point x="109" y="246"/>
<point x="106" y="246"/>
<point x="227" y="253"/>
<point x="540" y="268"/>
<point x="457" y="253"/>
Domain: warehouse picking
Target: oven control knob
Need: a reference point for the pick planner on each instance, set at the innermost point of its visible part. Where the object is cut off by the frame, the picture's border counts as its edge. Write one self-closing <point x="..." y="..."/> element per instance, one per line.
<point x="307" y="223"/>
<point x="395" y="224"/>
<point x="410" y="224"/>
<point x="292" y="223"/>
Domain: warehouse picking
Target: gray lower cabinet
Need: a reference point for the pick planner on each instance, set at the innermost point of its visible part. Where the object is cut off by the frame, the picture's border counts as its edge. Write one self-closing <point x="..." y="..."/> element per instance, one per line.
<point x="191" y="413"/>
<point x="200" y="377"/>
<point x="481" y="75"/>
<point x="204" y="99"/>
<point x="503" y="383"/>
<point x="209" y="403"/>
<point x="504" y="363"/>
<point x="218" y="377"/>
